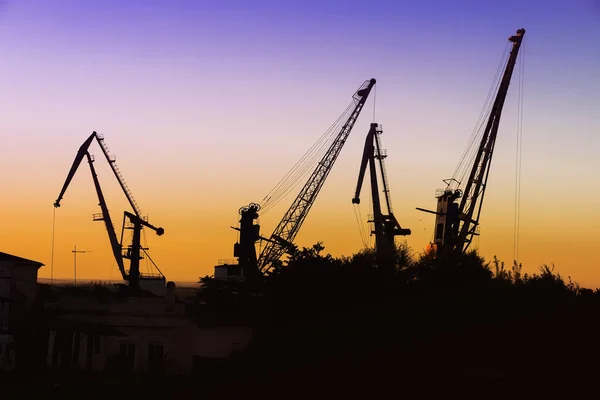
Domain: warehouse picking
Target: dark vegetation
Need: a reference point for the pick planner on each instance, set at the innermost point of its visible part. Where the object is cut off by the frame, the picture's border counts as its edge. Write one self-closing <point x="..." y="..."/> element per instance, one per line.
<point x="329" y="327"/>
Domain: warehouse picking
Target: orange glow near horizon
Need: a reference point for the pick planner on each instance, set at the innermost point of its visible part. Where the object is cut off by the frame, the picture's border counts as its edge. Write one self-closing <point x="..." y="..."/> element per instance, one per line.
<point x="197" y="236"/>
<point x="207" y="108"/>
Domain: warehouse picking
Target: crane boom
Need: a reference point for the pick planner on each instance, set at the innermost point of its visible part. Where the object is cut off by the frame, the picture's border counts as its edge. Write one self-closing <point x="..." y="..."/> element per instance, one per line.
<point x="457" y="223"/>
<point x="283" y="236"/>
<point x="472" y="199"/>
<point x="83" y="149"/>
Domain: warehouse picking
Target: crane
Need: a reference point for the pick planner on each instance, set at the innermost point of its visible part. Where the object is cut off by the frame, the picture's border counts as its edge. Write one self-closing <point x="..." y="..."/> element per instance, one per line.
<point x="283" y="236"/>
<point x="385" y="226"/>
<point x="131" y="221"/>
<point x="458" y="222"/>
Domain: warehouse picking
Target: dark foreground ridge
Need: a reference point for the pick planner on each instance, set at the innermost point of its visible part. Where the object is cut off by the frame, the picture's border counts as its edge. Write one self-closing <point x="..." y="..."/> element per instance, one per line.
<point x="342" y="328"/>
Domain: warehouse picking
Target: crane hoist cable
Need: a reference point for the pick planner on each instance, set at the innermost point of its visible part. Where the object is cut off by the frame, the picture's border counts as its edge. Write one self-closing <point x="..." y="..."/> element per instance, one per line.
<point x="518" y="157"/>
<point x="364" y="227"/>
<point x="313" y="150"/>
<point x="470" y="150"/>
<point x="358" y="217"/>
<point x="52" y="254"/>
<point x="485" y="111"/>
<point x="304" y="165"/>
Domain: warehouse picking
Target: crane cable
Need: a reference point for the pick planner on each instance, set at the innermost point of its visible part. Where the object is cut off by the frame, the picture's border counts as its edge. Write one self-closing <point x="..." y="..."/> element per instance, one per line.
<point x="303" y="166"/>
<point x="517" y="216"/>
<point x="473" y="147"/>
<point x="52" y="253"/>
<point x="470" y="151"/>
<point x="358" y="217"/>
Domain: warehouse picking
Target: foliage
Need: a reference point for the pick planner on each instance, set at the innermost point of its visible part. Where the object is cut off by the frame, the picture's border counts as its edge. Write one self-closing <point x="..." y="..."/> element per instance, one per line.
<point x="514" y="275"/>
<point x="317" y="309"/>
<point x="310" y="276"/>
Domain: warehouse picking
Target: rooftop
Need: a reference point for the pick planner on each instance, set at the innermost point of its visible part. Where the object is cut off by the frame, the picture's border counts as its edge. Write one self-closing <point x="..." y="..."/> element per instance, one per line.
<point x="10" y="258"/>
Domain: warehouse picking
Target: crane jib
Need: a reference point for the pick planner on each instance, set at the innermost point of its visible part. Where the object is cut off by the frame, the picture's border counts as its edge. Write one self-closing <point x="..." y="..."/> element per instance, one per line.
<point x="291" y="222"/>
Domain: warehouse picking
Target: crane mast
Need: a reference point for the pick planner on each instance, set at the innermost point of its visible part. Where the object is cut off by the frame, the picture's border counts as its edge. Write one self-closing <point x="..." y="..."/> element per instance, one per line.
<point x="134" y="251"/>
<point x="115" y="245"/>
<point x="457" y="223"/>
<point x="284" y="234"/>
<point x="385" y="226"/>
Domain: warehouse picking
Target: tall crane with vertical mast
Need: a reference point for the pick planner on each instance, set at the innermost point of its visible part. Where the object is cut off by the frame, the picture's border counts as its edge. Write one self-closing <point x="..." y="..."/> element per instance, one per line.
<point x="131" y="221"/>
<point x="457" y="223"/>
<point x="284" y="234"/>
<point x="385" y="226"/>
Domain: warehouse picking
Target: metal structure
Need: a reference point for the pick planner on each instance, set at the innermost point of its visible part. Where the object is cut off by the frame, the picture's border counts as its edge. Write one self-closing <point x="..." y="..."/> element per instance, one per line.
<point x="75" y="251"/>
<point x="385" y="226"/>
<point x="283" y="236"/>
<point x="131" y="221"/>
<point x="457" y="223"/>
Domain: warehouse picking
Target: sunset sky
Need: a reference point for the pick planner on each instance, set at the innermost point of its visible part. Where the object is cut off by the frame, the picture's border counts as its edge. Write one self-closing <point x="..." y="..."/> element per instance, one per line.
<point x="207" y="104"/>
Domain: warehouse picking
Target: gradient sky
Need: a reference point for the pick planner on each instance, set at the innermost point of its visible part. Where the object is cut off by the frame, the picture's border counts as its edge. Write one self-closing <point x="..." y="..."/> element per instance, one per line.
<point x="207" y="104"/>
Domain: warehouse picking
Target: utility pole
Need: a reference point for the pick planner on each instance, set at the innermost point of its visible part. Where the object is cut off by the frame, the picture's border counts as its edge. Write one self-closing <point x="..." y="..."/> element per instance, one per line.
<point x="75" y="251"/>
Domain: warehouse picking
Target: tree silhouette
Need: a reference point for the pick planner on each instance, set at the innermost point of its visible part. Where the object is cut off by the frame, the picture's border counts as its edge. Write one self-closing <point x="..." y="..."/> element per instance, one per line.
<point x="346" y="317"/>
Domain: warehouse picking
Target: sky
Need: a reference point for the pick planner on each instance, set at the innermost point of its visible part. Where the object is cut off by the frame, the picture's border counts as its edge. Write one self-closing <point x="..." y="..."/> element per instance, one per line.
<point x="206" y="105"/>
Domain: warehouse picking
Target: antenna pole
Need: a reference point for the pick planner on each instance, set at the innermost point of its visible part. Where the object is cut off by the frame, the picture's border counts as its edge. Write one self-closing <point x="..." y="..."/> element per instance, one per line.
<point x="75" y="251"/>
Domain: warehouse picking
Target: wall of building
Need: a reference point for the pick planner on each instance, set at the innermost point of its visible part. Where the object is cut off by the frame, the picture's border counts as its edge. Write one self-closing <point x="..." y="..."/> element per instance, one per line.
<point x="25" y="281"/>
<point x="5" y="278"/>
<point x="7" y="353"/>
<point x="146" y="324"/>
<point x="4" y="315"/>
<point x="18" y="290"/>
<point x="19" y="277"/>
<point x="175" y="343"/>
